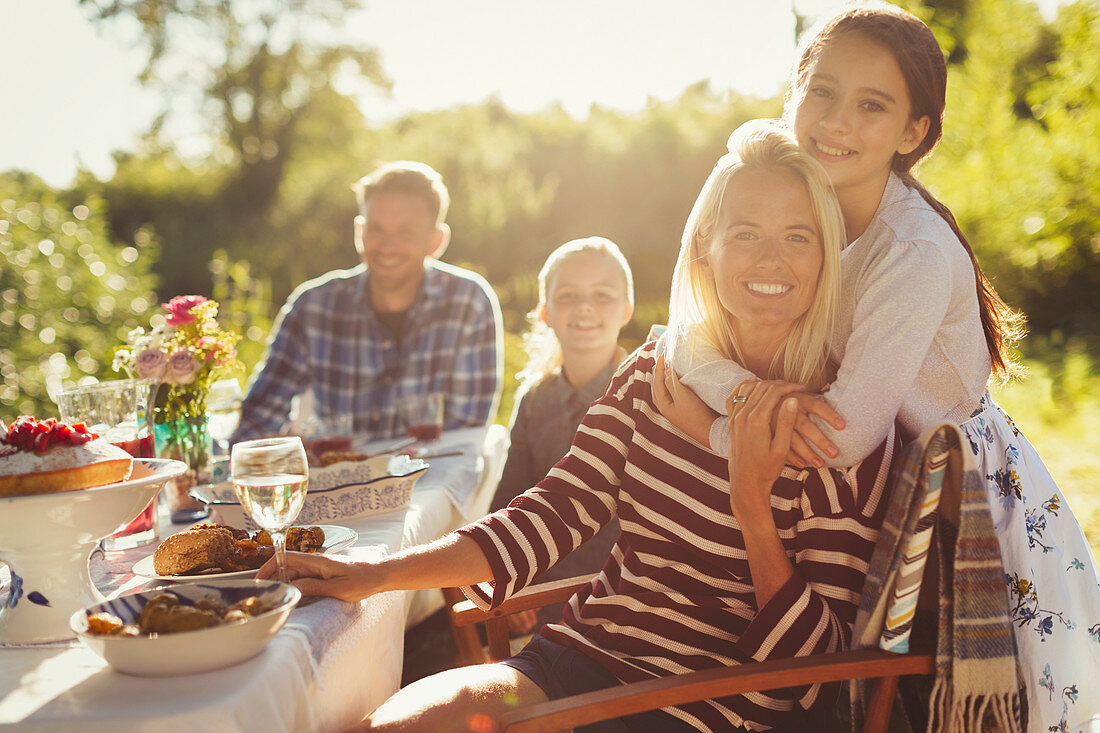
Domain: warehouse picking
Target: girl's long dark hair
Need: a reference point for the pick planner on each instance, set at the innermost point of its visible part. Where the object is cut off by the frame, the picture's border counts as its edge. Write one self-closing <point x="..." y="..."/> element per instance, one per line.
<point x="922" y="64"/>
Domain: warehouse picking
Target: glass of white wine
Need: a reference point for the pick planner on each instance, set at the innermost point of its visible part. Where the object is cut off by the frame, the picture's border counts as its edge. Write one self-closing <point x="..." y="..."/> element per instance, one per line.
<point x="270" y="476"/>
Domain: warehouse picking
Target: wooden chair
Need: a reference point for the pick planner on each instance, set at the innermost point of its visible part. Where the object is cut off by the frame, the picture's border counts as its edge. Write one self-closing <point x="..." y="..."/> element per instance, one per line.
<point x="881" y="668"/>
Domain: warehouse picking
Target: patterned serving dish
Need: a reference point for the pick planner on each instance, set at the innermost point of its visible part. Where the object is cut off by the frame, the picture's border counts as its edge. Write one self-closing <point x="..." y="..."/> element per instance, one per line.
<point x="188" y="652"/>
<point x="337" y="492"/>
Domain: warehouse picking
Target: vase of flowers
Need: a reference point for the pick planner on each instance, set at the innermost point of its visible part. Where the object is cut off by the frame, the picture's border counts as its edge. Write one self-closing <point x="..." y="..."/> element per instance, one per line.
<point x="187" y="351"/>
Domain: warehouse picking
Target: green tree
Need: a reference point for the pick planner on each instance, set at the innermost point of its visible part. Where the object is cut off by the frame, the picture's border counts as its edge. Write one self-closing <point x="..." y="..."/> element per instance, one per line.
<point x="1063" y="253"/>
<point x="68" y="293"/>
<point x="1019" y="159"/>
<point x="260" y="70"/>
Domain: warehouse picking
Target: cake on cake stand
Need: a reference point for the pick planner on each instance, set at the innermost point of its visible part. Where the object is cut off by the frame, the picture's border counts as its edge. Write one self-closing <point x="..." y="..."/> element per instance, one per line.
<point x="47" y="539"/>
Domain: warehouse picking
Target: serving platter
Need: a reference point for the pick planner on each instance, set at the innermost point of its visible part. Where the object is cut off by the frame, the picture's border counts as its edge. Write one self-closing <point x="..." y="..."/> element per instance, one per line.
<point x="336" y="538"/>
<point x="342" y="491"/>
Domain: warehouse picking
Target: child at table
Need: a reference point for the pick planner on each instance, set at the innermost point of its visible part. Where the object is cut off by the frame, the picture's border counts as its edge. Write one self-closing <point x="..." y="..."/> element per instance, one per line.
<point x="919" y="331"/>
<point x="586" y="296"/>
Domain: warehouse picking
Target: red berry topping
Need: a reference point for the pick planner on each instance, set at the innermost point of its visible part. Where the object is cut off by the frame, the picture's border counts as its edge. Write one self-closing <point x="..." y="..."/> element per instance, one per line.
<point x="28" y="434"/>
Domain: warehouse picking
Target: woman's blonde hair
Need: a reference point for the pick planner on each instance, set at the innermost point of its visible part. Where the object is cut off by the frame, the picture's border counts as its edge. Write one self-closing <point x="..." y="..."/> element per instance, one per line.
<point x="694" y="308"/>
<point x="544" y="355"/>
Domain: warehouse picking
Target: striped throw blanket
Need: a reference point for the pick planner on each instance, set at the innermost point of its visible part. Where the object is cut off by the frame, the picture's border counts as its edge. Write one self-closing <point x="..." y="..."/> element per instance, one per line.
<point x="937" y="504"/>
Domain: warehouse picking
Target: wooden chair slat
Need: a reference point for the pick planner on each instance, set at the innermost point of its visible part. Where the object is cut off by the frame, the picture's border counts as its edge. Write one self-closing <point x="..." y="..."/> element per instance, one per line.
<point x="466" y="637"/>
<point x="536" y="596"/>
<point x="880" y="703"/>
<point x="623" y="700"/>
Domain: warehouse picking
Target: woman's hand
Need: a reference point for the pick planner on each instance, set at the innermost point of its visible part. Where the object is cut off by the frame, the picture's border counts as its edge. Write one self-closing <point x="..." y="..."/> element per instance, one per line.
<point x="807" y="433"/>
<point x="758" y="444"/>
<point x="321" y="575"/>
<point x="680" y="405"/>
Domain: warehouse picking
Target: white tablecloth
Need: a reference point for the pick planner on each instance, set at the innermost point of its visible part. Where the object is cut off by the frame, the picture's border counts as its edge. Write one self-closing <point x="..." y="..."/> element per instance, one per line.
<point x="328" y="666"/>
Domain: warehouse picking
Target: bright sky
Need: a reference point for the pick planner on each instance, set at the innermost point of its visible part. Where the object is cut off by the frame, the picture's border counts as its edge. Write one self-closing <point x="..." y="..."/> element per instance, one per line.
<point x="73" y="96"/>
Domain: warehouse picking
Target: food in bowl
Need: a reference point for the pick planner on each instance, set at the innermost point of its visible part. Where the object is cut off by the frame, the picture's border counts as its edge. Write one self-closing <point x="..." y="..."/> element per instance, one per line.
<point x="166" y="614"/>
<point x="186" y="652"/>
<point x="47" y="456"/>
<point x="221" y="548"/>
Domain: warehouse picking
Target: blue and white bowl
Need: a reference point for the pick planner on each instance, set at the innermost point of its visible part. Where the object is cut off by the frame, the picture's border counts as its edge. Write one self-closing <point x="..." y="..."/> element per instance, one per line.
<point x="188" y="652"/>
<point x="337" y="492"/>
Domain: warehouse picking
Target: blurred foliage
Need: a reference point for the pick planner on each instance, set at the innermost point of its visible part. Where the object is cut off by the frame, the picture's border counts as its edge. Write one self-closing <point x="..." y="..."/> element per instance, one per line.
<point x="69" y="294"/>
<point x="264" y="72"/>
<point x="1058" y="408"/>
<point x="522" y="184"/>
<point x="244" y="303"/>
<point x="1019" y="161"/>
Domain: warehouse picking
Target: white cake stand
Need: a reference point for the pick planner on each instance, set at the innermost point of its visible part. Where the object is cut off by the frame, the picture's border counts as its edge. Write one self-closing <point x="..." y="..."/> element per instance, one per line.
<point x="46" y="541"/>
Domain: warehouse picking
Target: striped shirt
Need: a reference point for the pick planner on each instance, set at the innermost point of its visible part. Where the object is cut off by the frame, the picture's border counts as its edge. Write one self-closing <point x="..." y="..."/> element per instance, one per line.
<point x="328" y="338"/>
<point x="676" y="594"/>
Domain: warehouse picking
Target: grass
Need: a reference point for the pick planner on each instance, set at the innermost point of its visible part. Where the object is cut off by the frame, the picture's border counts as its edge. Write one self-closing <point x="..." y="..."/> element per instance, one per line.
<point x="1057" y="407"/>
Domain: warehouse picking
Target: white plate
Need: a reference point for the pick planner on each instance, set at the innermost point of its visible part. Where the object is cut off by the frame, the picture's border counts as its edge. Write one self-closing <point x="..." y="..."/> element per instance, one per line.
<point x="336" y="539"/>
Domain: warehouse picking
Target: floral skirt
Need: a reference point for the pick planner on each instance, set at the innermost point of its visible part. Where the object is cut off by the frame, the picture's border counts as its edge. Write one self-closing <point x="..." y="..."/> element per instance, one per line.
<point x="1050" y="575"/>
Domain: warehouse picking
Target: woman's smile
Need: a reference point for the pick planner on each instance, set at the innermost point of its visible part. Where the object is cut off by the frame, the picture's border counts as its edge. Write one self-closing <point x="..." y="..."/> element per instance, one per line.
<point x="768" y="289"/>
<point x="766" y="254"/>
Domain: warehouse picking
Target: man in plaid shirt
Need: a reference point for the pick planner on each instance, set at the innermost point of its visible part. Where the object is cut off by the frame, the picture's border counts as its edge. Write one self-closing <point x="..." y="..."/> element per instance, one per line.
<point x="401" y="323"/>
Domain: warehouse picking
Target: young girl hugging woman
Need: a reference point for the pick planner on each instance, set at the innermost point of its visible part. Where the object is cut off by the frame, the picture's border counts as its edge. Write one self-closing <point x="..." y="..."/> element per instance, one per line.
<point x="918" y="334"/>
<point x="718" y="562"/>
<point x="586" y="296"/>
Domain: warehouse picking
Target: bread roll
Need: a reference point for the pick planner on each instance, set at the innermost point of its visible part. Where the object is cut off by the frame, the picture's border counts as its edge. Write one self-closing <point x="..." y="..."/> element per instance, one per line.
<point x="193" y="550"/>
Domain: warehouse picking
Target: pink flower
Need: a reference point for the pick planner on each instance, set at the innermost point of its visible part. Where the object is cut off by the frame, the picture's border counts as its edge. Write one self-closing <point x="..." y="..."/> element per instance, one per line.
<point x="182" y="366"/>
<point x="151" y="363"/>
<point x="209" y="347"/>
<point x="179" y="309"/>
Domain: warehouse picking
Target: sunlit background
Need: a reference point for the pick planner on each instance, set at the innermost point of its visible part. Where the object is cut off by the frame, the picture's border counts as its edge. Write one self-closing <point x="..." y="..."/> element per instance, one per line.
<point x="80" y="99"/>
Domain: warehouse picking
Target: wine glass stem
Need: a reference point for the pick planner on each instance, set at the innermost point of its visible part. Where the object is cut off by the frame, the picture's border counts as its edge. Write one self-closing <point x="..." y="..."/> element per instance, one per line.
<point x="278" y="538"/>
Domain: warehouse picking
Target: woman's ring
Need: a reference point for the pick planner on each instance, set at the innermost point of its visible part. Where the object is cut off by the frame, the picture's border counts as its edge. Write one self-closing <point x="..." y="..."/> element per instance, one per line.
<point x="737" y="399"/>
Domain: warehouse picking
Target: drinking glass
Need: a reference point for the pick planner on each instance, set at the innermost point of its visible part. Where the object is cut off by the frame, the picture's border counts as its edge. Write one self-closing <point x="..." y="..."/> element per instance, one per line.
<point x="121" y="411"/>
<point x="223" y="410"/>
<point x="223" y="413"/>
<point x="331" y="432"/>
<point x="423" y="413"/>
<point x="270" y="476"/>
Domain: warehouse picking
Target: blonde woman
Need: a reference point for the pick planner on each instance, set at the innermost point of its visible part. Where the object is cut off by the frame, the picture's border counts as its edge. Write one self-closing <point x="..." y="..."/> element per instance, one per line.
<point x="717" y="561"/>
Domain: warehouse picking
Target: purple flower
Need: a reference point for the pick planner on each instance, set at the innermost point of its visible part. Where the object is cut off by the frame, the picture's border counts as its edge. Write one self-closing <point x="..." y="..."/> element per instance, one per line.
<point x="179" y="309"/>
<point x="1046" y="626"/>
<point x="151" y="363"/>
<point x="182" y="366"/>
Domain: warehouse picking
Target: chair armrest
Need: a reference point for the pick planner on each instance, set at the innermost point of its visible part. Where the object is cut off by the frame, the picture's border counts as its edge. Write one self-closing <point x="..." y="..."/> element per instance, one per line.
<point x="465" y="613"/>
<point x="614" y="702"/>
